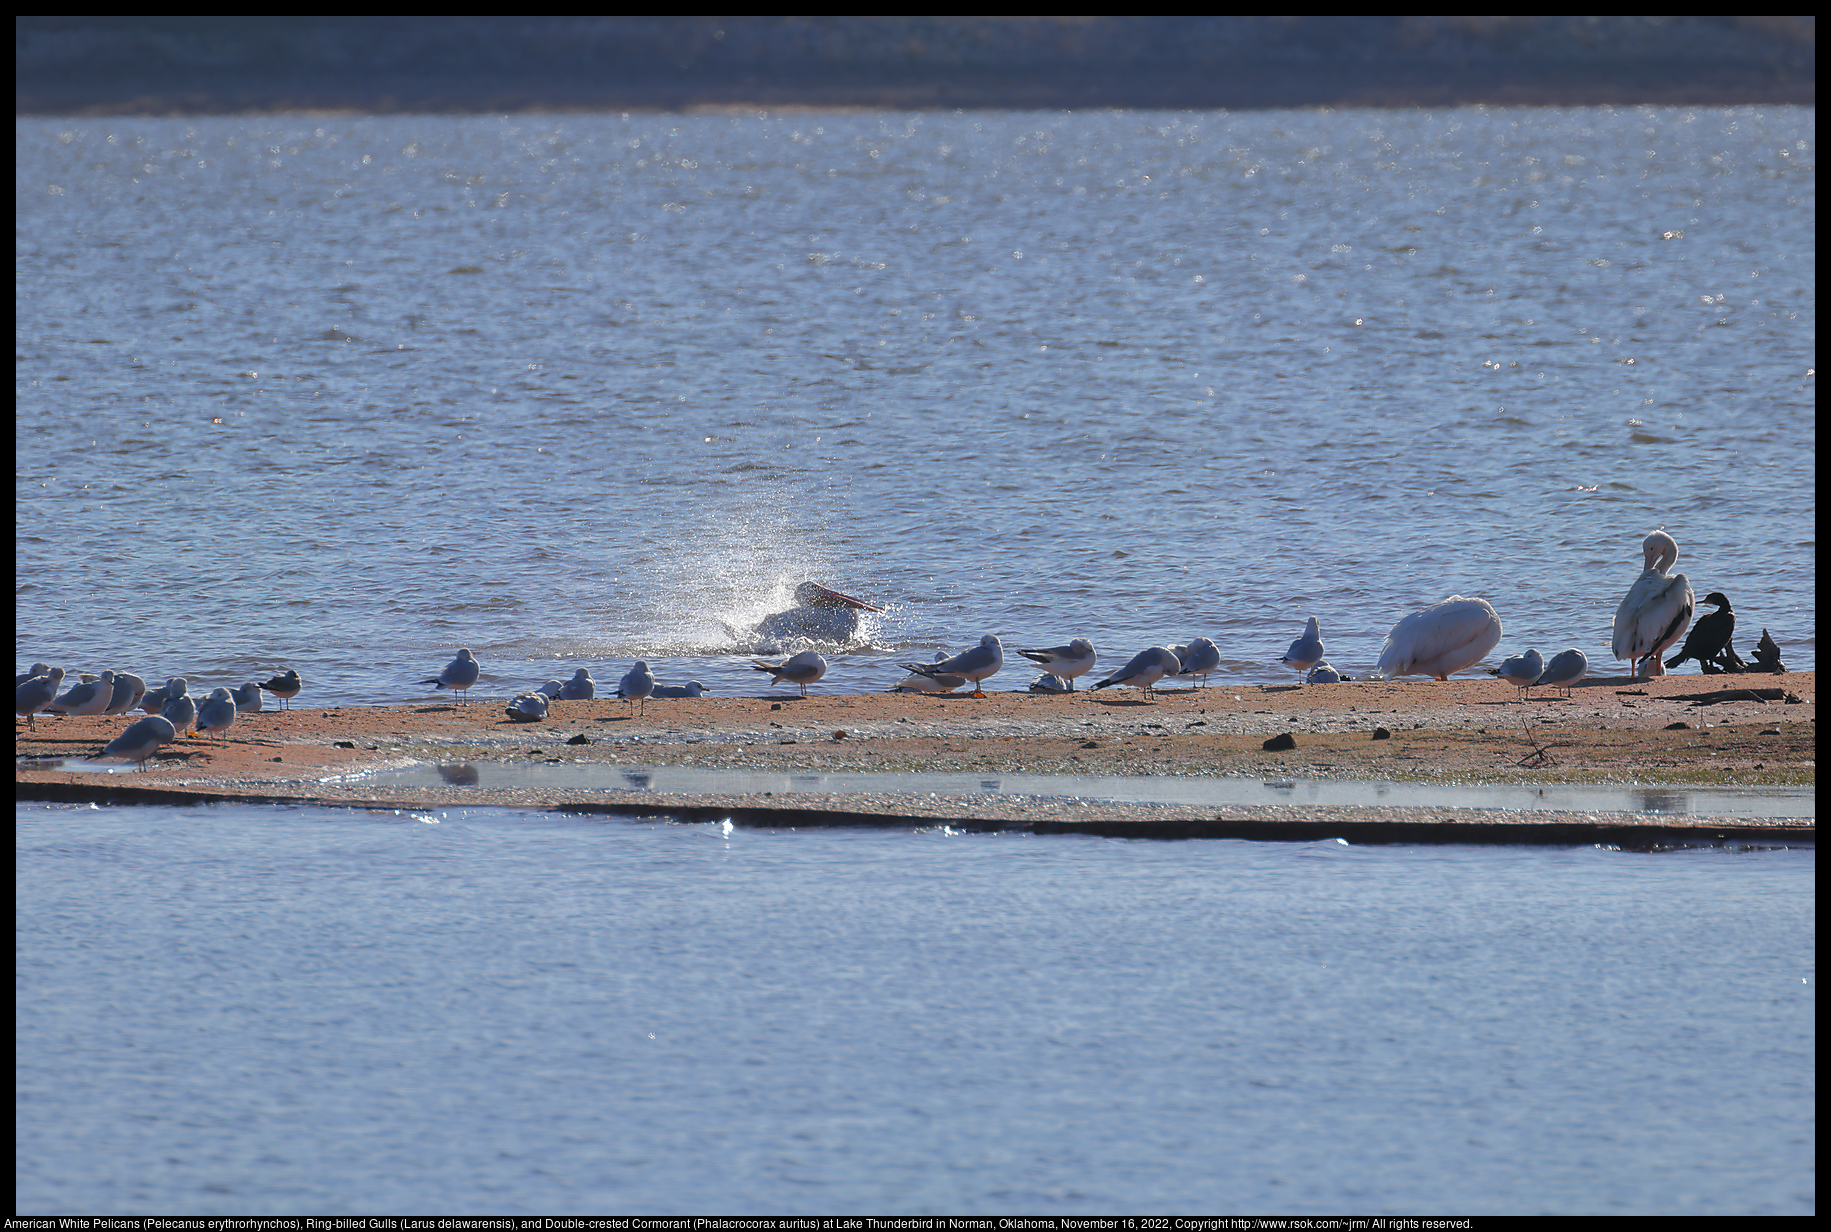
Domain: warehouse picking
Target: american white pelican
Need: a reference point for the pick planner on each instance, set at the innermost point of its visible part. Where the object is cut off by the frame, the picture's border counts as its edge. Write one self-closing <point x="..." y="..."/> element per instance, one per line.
<point x="1521" y="671"/>
<point x="460" y="674"/>
<point x="1145" y="670"/>
<point x="1306" y="651"/>
<point x="1064" y="662"/>
<point x="285" y="686"/>
<point x="1708" y="642"/>
<point x="976" y="664"/>
<point x="803" y="669"/>
<point x="820" y="614"/>
<point x="1657" y="611"/>
<point x="1440" y="640"/>
<point x="142" y="739"/>
<point x="1564" y="670"/>
<point x="637" y="683"/>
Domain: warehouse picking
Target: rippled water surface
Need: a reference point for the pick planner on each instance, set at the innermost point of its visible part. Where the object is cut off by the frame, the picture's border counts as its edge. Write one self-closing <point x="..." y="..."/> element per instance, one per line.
<point x="346" y="393"/>
<point x="230" y="1010"/>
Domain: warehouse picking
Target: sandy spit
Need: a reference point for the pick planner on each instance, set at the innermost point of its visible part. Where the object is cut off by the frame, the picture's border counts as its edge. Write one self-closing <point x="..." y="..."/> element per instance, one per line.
<point x="1737" y="731"/>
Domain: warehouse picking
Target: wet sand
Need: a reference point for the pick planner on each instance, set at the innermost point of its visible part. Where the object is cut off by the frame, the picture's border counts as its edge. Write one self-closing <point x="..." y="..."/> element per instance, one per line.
<point x="1741" y="731"/>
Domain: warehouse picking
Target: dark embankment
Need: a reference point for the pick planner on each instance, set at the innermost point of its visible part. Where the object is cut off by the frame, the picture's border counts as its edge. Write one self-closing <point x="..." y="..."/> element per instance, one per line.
<point x="475" y="64"/>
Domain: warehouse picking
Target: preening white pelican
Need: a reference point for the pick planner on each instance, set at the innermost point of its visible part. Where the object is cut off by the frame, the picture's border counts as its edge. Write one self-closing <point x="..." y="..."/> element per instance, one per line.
<point x="1440" y="639"/>
<point x="1657" y="611"/>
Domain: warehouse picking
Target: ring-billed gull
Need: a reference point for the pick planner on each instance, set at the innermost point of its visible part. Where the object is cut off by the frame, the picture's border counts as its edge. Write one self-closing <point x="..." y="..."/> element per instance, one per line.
<point x="460" y="674"/>
<point x="1440" y="640"/>
<point x="1049" y="683"/>
<point x="581" y="688"/>
<point x="247" y="698"/>
<point x="917" y="682"/>
<point x="1322" y="673"/>
<point x="1200" y="658"/>
<point x="1306" y="651"/>
<point x="285" y="686"/>
<point x="142" y="739"/>
<point x="37" y="693"/>
<point x="179" y="707"/>
<point x="691" y="688"/>
<point x="1146" y="668"/>
<point x="86" y="698"/>
<point x="975" y="665"/>
<point x="637" y="684"/>
<point x="37" y="669"/>
<point x="1564" y="670"/>
<point x="153" y="702"/>
<point x="1708" y="641"/>
<point x="1065" y="662"/>
<point x="803" y="669"/>
<point x="1657" y="610"/>
<point x="529" y="707"/>
<point x="216" y="713"/>
<point x="1521" y="671"/>
<point x="128" y="690"/>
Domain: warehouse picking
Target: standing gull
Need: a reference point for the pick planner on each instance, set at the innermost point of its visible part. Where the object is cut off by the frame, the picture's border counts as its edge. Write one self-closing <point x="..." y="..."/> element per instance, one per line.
<point x="128" y="690"/>
<point x="247" y="698"/>
<point x="975" y="665"/>
<point x="802" y="669"/>
<point x="38" y="669"/>
<point x="1564" y="670"/>
<point x="460" y="674"/>
<point x="1657" y="610"/>
<point x="1440" y="640"/>
<point x="89" y="697"/>
<point x="638" y="682"/>
<point x="179" y="708"/>
<point x="37" y="693"/>
<point x="1066" y="662"/>
<point x="285" y="686"/>
<point x="581" y="688"/>
<point x="216" y="713"/>
<point x="1306" y="651"/>
<point x="1521" y="671"/>
<point x="1145" y="670"/>
<point x="1200" y="658"/>
<point x="141" y="740"/>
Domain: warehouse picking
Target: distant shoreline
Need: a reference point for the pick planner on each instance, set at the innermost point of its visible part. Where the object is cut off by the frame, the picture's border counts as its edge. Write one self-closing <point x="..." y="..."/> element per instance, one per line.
<point x="188" y="66"/>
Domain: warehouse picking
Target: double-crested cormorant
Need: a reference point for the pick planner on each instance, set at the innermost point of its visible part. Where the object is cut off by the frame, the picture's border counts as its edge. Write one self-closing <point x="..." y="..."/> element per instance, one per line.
<point x="1708" y="641"/>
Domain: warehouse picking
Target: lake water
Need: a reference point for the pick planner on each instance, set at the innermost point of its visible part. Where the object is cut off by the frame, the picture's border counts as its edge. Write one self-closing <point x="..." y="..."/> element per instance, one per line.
<point x="346" y="393"/>
<point x="233" y="1010"/>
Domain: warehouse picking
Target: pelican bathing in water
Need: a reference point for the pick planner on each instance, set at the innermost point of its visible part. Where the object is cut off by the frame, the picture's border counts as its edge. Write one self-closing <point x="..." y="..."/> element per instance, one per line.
<point x="819" y="614"/>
